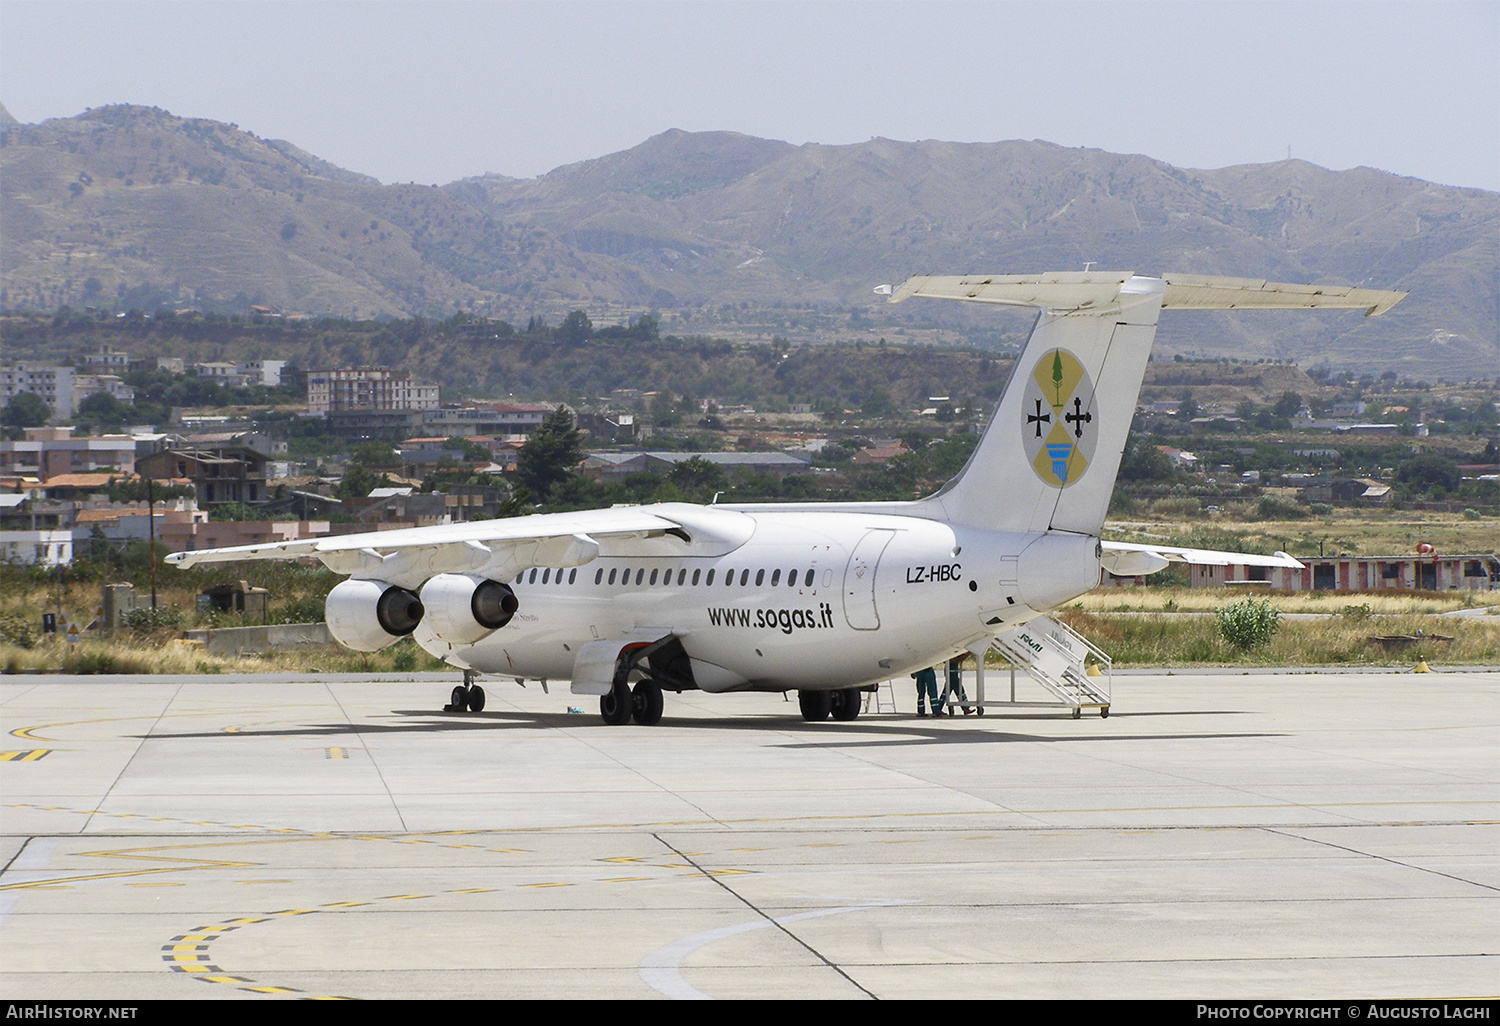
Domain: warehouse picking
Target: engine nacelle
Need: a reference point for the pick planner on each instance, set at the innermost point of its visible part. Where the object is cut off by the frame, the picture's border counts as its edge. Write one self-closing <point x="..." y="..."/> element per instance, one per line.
<point x="369" y="615"/>
<point x="462" y="608"/>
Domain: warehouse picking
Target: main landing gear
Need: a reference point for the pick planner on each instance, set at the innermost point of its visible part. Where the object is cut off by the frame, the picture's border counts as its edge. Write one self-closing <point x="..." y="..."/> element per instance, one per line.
<point x="468" y="696"/>
<point x="843" y="704"/>
<point x="642" y="703"/>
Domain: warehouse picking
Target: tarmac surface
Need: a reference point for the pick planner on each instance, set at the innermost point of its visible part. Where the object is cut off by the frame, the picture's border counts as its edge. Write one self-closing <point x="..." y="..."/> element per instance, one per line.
<point x="1290" y="835"/>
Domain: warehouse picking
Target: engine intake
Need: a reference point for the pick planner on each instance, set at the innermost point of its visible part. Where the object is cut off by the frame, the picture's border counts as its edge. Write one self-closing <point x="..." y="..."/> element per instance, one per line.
<point x="462" y="608"/>
<point x="369" y="615"/>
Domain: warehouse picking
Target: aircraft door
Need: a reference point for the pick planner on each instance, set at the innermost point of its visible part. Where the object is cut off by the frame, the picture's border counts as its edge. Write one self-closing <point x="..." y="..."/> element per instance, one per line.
<point x="859" y="580"/>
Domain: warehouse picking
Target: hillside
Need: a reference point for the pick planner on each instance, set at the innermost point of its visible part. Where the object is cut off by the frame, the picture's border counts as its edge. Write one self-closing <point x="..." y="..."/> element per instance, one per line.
<point x="732" y="235"/>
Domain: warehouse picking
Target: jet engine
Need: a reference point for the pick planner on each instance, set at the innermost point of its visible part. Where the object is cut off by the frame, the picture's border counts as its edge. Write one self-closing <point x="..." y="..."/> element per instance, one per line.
<point x="369" y="615"/>
<point x="462" y="608"/>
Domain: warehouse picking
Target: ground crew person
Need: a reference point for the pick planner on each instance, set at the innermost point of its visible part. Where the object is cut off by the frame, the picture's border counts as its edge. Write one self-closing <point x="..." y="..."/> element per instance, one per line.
<point x="927" y="691"/>
<point x="956" y="694"/>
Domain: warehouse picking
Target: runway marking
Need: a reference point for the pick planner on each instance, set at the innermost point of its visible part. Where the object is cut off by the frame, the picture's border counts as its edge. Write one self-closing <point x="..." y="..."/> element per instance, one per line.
<point x="660" y="969"/>
<point x="181" y="865"/>
<point x="25" y="756"/>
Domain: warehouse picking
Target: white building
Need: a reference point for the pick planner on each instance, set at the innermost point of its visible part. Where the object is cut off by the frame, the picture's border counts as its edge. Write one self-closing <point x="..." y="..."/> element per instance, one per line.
<point x="33" y="548"/>
<point x="369" y="389"/>
<point x="262" y="372"/>
<point x="54" y="385"/>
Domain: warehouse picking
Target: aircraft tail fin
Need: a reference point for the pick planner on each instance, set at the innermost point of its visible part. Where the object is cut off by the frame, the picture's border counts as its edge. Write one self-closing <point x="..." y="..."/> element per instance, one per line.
<point x="1048" y="459"/>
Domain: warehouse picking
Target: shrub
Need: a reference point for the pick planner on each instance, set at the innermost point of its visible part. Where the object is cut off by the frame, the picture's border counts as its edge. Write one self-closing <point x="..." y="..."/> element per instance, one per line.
<point x="146" y="620"/>
<point x="1248" y="623"/>
<point x="1269" y="507"/>
<point x="16" y="630"/>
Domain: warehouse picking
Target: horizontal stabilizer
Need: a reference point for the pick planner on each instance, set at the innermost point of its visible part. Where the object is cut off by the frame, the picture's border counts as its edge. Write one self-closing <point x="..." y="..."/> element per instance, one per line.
<point x="1199" y="292"/>
<point x="1124" y="559"/>
<point x="1080" y="291"/>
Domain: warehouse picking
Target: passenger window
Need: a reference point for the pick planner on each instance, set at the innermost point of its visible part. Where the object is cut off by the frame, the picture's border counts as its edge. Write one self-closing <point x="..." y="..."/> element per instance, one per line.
<point x="547" y="575"/>
<point x="681" y="576"/>
<point x="695" y="577"/>
<point x="599" y="575"/>
<point x="653" y="576"/>
<point x="612" y="575"/>
<point x="709" y="579"/>
<point x="640" y="575"/>
<point x="760" y="578"/>
<point x="745" y="577"/>
<point x="729" y="579"/>
<point x="775" y="578"/>
<point x="808" y="582"/>
<point x="533" y="576"/>
<point x="572" y="575"/>
<point x="791" y="578"/>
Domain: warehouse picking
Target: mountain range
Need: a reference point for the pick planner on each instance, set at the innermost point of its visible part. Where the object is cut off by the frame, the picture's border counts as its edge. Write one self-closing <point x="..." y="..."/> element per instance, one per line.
<point x="736" y="236"/>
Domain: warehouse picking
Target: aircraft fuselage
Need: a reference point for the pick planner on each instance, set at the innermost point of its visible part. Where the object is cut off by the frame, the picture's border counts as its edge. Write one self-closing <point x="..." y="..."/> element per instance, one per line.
<point x="808" y="601"/>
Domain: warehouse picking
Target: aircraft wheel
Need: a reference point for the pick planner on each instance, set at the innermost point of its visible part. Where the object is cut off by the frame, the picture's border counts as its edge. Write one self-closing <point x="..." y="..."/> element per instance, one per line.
<point x="979" y="710"/>
<point x="815" y="705"/>
<point x="459" y="700"/>
<point x="646" y="703"/>
<point x="845" y="704"/>
<point x="616" y="706"/>
<point x="476" y="698"/>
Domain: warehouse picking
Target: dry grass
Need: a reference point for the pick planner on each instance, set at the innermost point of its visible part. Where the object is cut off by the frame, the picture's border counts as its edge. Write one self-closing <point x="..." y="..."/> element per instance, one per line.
<point x="167" y="654"/>
<point x="1168" y="641"/>
<point x="1356" y="532"/>
<point x="1209" y="600"/>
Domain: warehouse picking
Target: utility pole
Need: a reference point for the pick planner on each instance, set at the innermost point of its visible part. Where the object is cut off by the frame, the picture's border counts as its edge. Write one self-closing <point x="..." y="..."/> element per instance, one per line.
<point x="151" y="528"/>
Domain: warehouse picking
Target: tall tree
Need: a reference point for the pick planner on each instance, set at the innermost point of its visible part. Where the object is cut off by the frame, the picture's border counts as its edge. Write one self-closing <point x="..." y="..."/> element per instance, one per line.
<point x="26" y="409"/>
<point x="548" y="456"/>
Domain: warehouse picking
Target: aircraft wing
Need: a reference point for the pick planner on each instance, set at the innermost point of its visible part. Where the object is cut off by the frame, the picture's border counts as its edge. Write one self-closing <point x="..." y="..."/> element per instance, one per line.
<point x="1126" y="559"/>
<point x="499" y="548"/>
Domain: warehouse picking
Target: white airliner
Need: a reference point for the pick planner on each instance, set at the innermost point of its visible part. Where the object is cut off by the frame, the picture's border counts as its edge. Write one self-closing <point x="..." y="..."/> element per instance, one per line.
<point x="826" y="599"/>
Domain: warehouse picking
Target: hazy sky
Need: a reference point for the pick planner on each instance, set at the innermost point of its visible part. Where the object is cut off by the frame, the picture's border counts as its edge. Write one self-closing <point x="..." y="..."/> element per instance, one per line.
<point x="435" y="91"/>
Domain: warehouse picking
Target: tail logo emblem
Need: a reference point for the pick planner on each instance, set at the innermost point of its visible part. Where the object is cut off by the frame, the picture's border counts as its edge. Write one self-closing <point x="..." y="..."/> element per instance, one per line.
<point x="1059" y="429"/>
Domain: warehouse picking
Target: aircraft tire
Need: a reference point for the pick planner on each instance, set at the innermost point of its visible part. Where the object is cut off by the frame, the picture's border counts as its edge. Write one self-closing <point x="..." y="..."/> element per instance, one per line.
<point x="646" y="703"/>
<point x="616" y="706"/>
<point x="459" y="699"/>
<point x="846" y="704"/>
<point x="815" y="705"/>
<point x="476" y="699"/>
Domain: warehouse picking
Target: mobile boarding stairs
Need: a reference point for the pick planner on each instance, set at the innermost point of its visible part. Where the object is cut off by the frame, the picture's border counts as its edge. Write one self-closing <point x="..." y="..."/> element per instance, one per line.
<point x="1068" y="667"/>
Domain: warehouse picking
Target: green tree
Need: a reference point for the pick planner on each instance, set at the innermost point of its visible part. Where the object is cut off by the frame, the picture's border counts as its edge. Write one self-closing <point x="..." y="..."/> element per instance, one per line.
<point x="1428" y="471"/>
<point x="26" y="410"/>
<point x="359" y="482"/>
<point x="698" y="478"/>
<point x="575" y="328"/>
<point x="374" y="454"/>
<point x="549" y="454"/>
<point x="103" y="408"/>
